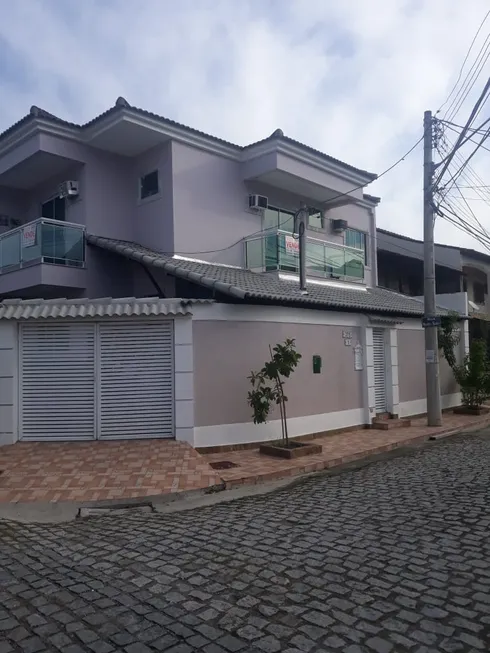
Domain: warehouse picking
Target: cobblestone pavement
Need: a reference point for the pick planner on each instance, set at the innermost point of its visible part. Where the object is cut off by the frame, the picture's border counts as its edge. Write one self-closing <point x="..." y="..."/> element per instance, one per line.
<point x="393" y="557"/>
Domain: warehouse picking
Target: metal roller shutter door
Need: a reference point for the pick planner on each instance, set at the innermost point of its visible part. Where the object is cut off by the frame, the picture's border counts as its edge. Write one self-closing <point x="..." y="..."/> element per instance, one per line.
<point x="136" y="372"/>
<point x="379" y="370"/>
<point x="57" y="390"/>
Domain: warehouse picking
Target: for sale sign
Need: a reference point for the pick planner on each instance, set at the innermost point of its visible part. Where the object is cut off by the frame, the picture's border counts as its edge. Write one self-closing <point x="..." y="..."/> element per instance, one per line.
<point x="29" y="235"/>
<point x="292" y="245"/>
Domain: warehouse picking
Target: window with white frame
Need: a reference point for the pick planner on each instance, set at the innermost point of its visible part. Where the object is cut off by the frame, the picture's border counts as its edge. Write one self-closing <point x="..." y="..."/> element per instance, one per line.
<point x="279" y="219"/>
<point x="149" y="185"/>
<point x="357" y="240"/>
<point x="315" y="219"/>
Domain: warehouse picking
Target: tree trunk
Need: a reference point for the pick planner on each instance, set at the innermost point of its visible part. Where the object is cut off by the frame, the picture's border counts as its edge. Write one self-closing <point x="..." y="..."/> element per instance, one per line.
<point x="283" y="411"/>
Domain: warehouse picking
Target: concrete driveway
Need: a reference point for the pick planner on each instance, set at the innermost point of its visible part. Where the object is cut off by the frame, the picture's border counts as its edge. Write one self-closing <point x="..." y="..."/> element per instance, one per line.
<point x="390" y="558"/>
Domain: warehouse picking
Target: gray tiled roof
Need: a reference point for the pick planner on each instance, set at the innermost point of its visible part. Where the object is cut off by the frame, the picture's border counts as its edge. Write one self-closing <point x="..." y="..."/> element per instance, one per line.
<point x="246" y="285"/>
<point x="122" y="105"/>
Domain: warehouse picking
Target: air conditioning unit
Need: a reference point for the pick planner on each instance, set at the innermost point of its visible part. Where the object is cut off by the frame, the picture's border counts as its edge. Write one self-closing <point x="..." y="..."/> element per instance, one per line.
<point x="338" y="226"/>
<point x="258" y="202"/>
<point x="68" y="189"/>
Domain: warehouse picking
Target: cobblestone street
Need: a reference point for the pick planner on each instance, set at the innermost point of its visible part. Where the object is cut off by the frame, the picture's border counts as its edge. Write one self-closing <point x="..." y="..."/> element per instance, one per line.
<point x="389" y="558"/>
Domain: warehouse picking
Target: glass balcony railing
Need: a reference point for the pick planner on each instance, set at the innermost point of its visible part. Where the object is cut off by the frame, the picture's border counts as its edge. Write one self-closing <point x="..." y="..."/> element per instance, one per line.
<point x="42" y="241"/>
<point x="280" y="251"/>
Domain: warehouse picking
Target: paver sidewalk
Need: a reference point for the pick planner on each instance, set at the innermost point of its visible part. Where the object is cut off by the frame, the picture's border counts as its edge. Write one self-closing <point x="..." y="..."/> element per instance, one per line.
<point x="337" y="450"/>
<point x="99" y="471"/>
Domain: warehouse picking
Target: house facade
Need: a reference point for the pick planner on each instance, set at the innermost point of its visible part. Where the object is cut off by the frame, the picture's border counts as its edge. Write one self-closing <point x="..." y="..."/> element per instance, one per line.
<point x="192" y="242"/>
<point x="461" y="276"/>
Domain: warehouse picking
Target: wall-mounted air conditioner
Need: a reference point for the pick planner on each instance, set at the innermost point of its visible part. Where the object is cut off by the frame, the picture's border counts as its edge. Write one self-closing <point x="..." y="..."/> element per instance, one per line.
<point x="338" y="226"/>
<point x="68" y="189"/>
<point x="258" y="202"/>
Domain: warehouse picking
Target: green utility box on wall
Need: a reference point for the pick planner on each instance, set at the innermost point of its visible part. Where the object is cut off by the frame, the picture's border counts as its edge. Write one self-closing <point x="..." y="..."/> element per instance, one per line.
<point x="317" y="364"/>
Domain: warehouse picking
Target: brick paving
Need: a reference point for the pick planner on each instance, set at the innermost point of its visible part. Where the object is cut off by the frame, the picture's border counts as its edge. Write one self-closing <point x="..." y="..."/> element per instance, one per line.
<point x="96" y="471"/>
<point x="391" y="558"/>
<point x="99" y="471"/>
<point x="337" y="449"/>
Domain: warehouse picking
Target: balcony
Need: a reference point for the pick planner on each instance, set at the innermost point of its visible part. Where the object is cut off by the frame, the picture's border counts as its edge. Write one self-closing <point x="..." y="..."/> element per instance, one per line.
<point x="280" y="251"/>
<point x="42" y="257"/>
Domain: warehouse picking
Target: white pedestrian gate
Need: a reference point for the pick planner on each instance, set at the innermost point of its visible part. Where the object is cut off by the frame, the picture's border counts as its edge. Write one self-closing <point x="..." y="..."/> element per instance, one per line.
<point x="379" y="362"/>
<point x="87" y="380"/>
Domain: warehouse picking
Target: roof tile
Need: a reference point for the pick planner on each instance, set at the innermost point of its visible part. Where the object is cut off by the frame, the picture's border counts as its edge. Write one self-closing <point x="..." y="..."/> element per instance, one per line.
<point x="244" y="284"/>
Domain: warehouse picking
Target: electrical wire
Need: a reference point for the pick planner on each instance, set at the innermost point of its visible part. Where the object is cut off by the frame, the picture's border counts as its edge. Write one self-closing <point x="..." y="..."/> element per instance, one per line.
<point x="479" y="103"/>
<point x="468" y="174"/>
<point x="470" y="138"/>
<point x="471" y="82"/>
<point x="469" y="224"/>
<point x="462" y="225"/>
<point x="472" y="75"/>
<point x="464" y="61"/>
<point x="448" y="123"/>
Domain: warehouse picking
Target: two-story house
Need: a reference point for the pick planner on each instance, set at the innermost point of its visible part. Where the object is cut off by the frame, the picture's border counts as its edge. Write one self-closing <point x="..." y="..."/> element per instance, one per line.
<point x="200" y="235"/>
<point x="461" y="276"/>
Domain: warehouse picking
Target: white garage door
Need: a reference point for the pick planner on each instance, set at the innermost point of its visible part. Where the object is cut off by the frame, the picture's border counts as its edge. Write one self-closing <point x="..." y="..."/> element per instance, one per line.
<point x="136" y="380"/>
<point x="106" y="380"/>
<point x="57" y="398"/>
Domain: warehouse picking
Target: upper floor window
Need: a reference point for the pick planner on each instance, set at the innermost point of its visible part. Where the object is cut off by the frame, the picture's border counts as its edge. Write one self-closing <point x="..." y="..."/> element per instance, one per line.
<point x="315" y="219"/>
<point x="479" y="292"/>
<point x="149" y="185"/>
<point x="279" y="219"/>
<point x="54" y="209"/>
<point x="358" y="240"/>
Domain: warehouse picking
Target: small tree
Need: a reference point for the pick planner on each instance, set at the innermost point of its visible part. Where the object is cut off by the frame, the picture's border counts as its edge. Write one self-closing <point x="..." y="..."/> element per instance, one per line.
<point x="448" y="336"/>
<point x="268" y="384"/>
<point x="473" y="375"/>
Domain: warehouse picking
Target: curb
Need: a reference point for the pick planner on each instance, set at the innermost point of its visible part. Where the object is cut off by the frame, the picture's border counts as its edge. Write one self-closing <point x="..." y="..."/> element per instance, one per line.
<point x="65" y="511"/>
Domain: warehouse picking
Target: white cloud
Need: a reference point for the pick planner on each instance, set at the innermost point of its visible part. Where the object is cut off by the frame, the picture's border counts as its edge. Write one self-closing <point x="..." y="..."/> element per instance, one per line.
<point x="351" y="78"/>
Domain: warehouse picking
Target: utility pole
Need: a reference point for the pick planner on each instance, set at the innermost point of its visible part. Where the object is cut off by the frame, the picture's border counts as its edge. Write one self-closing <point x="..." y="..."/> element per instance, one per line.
<point x="302" y="223"/>
<point x="434" y="417"/>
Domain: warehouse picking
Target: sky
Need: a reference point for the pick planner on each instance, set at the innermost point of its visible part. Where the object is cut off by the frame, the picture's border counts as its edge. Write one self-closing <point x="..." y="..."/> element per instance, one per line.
<point x="351" y="78"/>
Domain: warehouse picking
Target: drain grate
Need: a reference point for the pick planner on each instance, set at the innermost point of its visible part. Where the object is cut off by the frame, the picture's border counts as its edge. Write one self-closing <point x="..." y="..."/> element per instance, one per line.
<point x="223" y="464"/>
<point x="116" y="509"/>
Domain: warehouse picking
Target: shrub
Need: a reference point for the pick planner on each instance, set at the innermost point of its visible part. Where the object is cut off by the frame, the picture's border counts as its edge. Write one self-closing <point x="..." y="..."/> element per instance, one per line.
<point x="473" y="375"/>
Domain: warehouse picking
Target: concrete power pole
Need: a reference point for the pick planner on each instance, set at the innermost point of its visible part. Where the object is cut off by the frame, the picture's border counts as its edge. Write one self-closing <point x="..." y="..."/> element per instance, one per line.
<point x="434" y="417"/>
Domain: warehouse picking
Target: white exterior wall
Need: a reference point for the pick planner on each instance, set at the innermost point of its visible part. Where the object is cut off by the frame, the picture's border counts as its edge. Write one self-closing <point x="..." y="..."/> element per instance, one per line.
<point x="247" y="432"/>
<point x="185" y="390"/>
<point x="9" y="364"/>
<point x="184" y="381"/>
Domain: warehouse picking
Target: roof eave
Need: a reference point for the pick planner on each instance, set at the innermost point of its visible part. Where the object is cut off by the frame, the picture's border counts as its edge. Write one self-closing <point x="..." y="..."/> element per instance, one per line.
<point x="171" y="130"/>
<point x="308" y="155"/>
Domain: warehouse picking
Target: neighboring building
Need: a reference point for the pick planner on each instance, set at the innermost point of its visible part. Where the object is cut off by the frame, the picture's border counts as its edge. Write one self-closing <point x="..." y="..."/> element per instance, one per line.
<point x="461" y="276"/>
<point x="135" y="205"/>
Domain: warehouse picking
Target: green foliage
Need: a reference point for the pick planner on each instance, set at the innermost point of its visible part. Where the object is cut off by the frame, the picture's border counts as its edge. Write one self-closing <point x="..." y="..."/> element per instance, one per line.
<point x="448" y="337"/>
<point x="473" y="375"/>
<point x="268" y="384"/>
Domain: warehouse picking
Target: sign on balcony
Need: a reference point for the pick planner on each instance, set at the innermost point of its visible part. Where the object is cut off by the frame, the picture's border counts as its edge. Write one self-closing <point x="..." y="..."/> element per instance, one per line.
<point x="291" y="245"/>
<point x="29" y="235"/>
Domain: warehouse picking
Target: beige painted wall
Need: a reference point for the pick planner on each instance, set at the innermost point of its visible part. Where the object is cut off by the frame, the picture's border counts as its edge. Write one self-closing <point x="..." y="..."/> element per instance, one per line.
<point x="226" y="352"/>
<point x="411" y="367"/>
